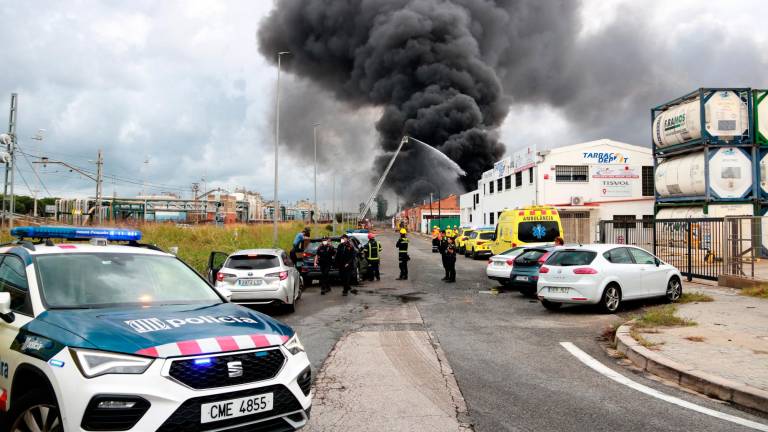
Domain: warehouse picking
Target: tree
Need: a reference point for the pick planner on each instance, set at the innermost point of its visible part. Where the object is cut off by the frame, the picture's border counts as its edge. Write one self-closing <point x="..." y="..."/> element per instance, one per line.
<point x="381" y="207"/>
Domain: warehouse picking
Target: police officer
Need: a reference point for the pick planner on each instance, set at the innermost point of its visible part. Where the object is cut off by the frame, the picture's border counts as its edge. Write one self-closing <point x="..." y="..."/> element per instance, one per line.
<point x="345" y="261"/>
<point x="298" y="244"/>
<point x="324" y="258"/>
<point x="372" y="252"/>
<point x="402" y="254"/>
<point x="449" y="261"/>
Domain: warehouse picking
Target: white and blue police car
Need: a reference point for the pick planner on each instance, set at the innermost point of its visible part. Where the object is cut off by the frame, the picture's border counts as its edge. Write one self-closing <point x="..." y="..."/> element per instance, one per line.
<point x="99" y="336"/>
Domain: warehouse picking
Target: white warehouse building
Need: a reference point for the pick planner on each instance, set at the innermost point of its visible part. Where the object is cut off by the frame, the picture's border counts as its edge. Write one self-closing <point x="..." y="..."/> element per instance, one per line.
<point x="588" y="182"/>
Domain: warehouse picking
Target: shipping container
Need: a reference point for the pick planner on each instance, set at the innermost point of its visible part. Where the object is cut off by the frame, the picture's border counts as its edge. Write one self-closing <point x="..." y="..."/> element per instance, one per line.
<point x="760" y="107"/>
<point x="725" y="173"/>
<point x="712" y="210"/>
<point x="705" y="116"/>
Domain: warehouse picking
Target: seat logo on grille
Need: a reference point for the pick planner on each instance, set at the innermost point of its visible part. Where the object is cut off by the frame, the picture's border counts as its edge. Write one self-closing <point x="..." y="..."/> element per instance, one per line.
<point x="235" y="369"/>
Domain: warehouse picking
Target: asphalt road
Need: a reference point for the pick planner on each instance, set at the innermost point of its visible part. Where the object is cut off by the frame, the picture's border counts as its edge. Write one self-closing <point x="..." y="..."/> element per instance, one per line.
<point x="505" y="352"/>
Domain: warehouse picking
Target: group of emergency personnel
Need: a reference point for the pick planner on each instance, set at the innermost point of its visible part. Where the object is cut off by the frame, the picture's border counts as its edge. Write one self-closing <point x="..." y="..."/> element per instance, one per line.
<point x="343" y="256"/>
<point x="444" y="242"/>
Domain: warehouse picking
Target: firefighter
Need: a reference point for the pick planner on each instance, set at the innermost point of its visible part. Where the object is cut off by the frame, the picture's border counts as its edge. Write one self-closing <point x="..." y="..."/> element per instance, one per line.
<point x="443" y="246"/>
<point x="345" y="262"/>
<point x="455" y="233"/>
<point x="435" y="239"/>
<point x="324" y="258"/>
<point x="372" y="252"/>
<point x="402" y="254"/>
<point x="448" y="231"/>
<point x="298" y="244"/>
<point x="449" y="261"/>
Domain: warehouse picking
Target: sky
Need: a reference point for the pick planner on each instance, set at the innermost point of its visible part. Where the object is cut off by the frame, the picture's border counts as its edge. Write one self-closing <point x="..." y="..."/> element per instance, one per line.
<point x="176" y="92"/>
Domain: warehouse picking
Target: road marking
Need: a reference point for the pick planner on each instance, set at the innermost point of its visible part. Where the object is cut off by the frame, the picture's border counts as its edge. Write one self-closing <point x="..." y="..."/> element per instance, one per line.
<point x="621" y="379"/>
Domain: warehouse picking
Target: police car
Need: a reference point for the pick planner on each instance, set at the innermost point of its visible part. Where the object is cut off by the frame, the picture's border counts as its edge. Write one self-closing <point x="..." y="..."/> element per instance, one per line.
<point x="96" y="336"/>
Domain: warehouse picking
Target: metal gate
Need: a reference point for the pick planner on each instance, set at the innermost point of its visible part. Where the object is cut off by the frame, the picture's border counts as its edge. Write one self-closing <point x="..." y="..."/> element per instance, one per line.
<point x="697" y="247"/>
<point x="576" y="226"/>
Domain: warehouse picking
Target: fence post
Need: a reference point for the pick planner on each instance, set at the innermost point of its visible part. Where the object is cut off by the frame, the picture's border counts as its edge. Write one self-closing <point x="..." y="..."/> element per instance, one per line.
<point x="653" y="233"/>
<point x="602" y="231"/>
<point x="690" y="258"/>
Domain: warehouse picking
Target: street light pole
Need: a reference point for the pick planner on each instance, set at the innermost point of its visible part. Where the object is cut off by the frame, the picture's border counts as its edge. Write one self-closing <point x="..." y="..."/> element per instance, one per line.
<point x="277" y="145"/>
<point x="314" y="136"/>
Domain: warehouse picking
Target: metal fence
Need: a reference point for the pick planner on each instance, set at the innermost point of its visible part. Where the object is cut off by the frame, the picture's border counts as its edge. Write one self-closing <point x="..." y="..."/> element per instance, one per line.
<point x="703" y="248"/>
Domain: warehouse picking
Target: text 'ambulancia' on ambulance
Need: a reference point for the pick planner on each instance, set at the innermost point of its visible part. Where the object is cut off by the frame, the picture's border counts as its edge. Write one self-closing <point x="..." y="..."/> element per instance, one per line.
<point x="96" y="336"/>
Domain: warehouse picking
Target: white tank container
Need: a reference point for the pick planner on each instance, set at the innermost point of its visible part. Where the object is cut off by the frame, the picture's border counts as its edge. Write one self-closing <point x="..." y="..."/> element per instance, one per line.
<point x="725" y="116"/>
<point x="715" y="211"/>
<point x="761" y="115"/>
<point x="730" y="174"/>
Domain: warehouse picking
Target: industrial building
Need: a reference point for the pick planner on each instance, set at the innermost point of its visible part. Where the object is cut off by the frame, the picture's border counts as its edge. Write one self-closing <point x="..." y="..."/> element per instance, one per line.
<point x="443" y="213"/>
<point x="587" y="182"/>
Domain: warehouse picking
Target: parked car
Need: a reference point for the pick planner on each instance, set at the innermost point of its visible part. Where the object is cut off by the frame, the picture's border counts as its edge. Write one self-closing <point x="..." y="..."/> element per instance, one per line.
<point x="500" y="266"/>
<point x="310" y="272"/>
<point x="605" y="274"/>
<point x="525" y="271"/>
<point x="256" y="277"/>
<point x="479" y="243"/>
<point x="461" y="240"/>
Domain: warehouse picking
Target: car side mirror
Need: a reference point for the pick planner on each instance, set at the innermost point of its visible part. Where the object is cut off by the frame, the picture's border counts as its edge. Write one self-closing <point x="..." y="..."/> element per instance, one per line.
<point x="5" y="307"/>
<point x="657" y="261"/>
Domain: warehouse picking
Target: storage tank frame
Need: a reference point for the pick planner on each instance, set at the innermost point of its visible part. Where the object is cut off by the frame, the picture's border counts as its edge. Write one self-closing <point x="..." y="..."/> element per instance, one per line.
<point x="758" y="96"/>
<point x="704" y="95"/>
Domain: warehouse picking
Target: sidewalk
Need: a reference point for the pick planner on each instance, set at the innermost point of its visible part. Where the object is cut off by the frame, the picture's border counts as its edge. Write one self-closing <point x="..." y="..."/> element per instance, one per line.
<point x="725" y="355"/>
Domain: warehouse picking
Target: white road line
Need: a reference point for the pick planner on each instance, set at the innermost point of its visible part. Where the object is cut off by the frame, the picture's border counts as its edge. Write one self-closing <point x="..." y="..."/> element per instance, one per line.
<point x="621" y="379"/>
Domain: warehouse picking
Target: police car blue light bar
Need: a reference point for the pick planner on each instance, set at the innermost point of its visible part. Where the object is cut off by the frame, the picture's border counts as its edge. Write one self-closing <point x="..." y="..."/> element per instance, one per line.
<point x="76" y="233"/>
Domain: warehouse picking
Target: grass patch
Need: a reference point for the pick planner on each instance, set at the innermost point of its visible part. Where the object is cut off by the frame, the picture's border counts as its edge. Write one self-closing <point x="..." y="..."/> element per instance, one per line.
<point x="695" y="297"/>
<point x="636" y="335"/>
<point x="759" y="292"/>
<point x="662" y="316"/>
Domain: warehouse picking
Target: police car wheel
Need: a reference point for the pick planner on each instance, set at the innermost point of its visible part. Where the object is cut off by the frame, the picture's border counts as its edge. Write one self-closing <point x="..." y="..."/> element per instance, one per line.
<point x="35" y="411"/>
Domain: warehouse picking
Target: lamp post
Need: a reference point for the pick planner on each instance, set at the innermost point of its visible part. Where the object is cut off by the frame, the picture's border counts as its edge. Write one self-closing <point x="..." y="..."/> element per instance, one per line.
<point x="280" y="55"/>
<point x="314" y="136"/>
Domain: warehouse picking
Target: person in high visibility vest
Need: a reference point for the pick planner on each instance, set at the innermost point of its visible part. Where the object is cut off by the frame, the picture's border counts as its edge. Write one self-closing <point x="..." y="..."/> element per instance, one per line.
<point x="372" y="251"/>
<point x="402" y="254"/>
<point x="435" y="239"/>
<point x="448" y="232"/>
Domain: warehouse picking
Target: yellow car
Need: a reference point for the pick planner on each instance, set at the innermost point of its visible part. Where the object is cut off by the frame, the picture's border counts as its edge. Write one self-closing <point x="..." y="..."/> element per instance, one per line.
<point x="479" y="243"/>
<point x="461" y="240"/>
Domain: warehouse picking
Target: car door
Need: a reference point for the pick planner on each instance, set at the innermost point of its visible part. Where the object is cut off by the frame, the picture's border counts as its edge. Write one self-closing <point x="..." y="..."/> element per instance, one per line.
<point x="293" y="274"/>
<point x="216" y="261"/>
<point x="653" y="276"/>
<point x="622" y="266"/>
<point x="13" y="280"/>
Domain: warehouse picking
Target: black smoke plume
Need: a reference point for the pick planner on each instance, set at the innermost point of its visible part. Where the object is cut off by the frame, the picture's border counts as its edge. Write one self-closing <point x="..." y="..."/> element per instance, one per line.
<point x="435" y="67"/>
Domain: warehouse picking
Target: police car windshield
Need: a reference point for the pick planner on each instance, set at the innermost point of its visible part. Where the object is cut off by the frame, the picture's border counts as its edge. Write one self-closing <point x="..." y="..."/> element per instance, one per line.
<point x="76" y="281"/>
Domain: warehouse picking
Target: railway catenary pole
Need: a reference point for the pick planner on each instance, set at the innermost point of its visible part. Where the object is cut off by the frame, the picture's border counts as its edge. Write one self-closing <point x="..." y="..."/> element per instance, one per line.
<point x="10" y="165"/>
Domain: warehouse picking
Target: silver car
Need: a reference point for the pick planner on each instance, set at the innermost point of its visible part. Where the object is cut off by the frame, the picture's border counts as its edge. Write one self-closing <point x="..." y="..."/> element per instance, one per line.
<point x="256" y="276"/>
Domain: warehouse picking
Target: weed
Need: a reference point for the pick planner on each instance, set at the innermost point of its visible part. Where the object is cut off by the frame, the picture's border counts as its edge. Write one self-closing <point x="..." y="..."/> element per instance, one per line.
<point x="695" y="297"/>
<point x="662" y="316"/>
<point x="759" y="292"/>
<point x="635" y="333"/>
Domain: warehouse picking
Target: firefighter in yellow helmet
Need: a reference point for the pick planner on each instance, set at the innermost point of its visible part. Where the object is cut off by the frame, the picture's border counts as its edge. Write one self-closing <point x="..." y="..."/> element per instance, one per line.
<point x="402" y="254"/>
<point x="435" y="239"/>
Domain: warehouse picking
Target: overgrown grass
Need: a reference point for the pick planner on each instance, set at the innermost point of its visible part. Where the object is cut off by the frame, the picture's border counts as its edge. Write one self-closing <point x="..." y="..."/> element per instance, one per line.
<point x="759" y="292"/>
<point x="662" y="316"/>
<point x="635" y="333"/>
<point x="695" y="297"/>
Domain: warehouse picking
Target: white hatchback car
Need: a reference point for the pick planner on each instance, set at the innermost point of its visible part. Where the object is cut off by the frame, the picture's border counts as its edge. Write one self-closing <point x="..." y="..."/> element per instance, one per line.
<point x="500" y="266"/>
<point x="605" y="274"/>
<point x="256" y="276"/>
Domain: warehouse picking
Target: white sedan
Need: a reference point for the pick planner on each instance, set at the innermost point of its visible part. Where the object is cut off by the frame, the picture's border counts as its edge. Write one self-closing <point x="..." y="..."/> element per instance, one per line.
<point x="500" y="266"/>
<point x="605" y="274"/>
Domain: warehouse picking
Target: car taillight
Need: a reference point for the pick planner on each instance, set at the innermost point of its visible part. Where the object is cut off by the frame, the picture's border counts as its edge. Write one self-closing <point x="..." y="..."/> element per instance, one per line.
<point x="221" y="276"/>
<point x="584" y="270"/>
<point x="480" y="242"/>
<point x="514" y="244"/>
<point x="511" y="262"/>
<point x="490" y="261"/>
<point x="543" y="258"/>
<point x="282" y="275"/>
<point x="544" y="270"/>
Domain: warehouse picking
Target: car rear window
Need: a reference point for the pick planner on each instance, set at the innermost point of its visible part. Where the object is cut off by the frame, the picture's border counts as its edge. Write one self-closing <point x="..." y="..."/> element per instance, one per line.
<point x="530" y="256"/>
<point x="538" y="232"/>
<point x="252" y="262"/>
<point x="486" y="236"/>
<point x="312" y="248"/>
<point x="571" y="258"/>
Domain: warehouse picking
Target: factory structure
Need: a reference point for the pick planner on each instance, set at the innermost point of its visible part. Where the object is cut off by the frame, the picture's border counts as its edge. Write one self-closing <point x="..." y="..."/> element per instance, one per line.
<point x="586" y="182"/>
<point x="216" y="206"/>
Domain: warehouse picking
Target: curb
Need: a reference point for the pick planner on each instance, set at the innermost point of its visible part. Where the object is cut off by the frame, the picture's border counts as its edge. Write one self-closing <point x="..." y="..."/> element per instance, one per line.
<point x="688" y="377"/>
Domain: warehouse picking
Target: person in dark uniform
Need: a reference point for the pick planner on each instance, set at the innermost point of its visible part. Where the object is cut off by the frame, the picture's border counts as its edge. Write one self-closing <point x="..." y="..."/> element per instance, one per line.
<point x="402" y="254"/>
<point x="443" y="246"/>
<point x="372" y="251"/>
<point x="345" y="261"/>
<point x="449" y="260"/>
<point x="324" y="258"/>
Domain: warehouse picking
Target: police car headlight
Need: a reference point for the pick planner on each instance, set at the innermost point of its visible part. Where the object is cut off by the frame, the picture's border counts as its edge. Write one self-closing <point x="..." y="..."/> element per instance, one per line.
<point x="294" y="345"/>
<point x="97" y="363"/>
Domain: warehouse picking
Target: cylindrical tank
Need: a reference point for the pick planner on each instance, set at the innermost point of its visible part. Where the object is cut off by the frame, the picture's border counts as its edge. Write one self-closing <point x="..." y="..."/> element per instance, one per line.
<point x="714" y="210"/>
<point x="730" y="174"/>
<point x="725" y="116"/>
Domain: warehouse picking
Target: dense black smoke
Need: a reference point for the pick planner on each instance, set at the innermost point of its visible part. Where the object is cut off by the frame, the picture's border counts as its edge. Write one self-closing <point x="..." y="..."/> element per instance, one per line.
<point x="435" y="67"/>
